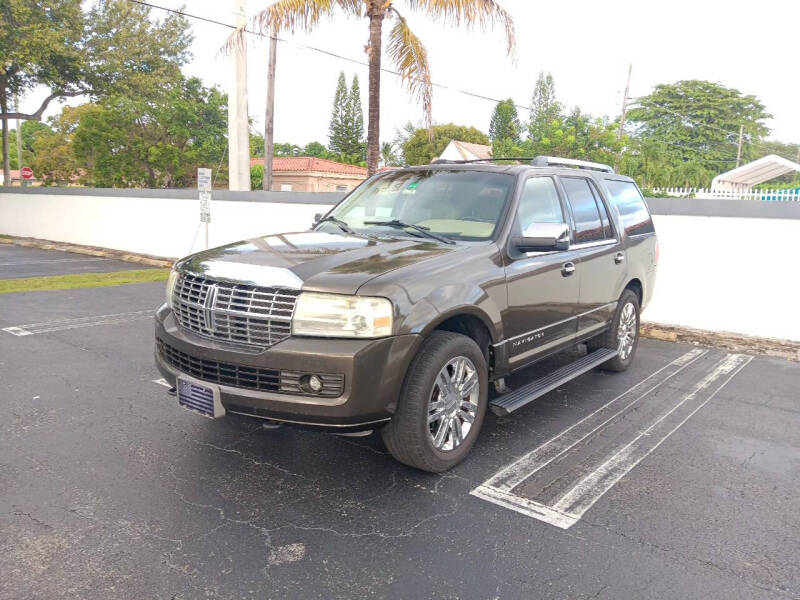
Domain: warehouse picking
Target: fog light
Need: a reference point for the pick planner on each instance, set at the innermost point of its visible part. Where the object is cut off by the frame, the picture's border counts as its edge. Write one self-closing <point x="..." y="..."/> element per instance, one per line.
<point x="315" y="384"/>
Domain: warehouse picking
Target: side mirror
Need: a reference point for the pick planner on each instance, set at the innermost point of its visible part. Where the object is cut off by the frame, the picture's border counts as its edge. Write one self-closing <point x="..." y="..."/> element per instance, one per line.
<point x="543" y="237"/>
<point x="317" y="217"/>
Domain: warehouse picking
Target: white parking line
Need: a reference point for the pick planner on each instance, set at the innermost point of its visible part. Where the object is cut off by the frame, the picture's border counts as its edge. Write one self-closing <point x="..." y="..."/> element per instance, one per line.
<point x="64" y="324"/>
<point x="566" y="510"/>
<point x="57" y="260"/>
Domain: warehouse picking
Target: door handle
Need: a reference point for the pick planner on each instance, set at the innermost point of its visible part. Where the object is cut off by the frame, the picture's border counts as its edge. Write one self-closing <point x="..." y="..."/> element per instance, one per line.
<point x="567" y="269"/>
<point x="619" y="257"/>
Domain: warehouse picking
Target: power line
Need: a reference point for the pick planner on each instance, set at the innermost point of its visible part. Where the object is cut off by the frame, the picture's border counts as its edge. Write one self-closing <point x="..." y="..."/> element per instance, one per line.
<point x="321" y="51"/>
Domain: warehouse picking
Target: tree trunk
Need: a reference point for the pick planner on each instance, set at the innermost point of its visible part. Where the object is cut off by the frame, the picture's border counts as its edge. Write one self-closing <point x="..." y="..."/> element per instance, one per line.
<point x="6" y="160"/>
<point x="373" y="127"/>
<point x="269" y="119"/>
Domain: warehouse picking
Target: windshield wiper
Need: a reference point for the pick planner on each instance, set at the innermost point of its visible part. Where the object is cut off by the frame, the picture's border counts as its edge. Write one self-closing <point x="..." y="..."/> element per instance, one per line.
<point x="342" y="225"/>
<point x="420" y="228"/>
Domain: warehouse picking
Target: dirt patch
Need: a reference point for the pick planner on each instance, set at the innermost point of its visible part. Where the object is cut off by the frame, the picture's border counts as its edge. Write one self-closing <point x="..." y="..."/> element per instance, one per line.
<point x="736" y="342"/>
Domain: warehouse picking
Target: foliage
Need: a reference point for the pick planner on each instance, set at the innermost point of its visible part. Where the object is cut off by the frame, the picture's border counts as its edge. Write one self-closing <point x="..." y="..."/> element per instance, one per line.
<point x="404" y="48"/>
<point x="701" y="120"/>
<point x="31" y="130"/>
<point x="133" y="142"/>
<point x="256" y="144"/>
<point x="422" y="147"/>
<point x="545" y="109"/>
<point x="505" y="123"/>
<point x="346" y="132"/>
<point x="256" y="177"/>
<point x="112" y="48"/>
<point x="389" y="156"/>
<point x="81" y="280"/>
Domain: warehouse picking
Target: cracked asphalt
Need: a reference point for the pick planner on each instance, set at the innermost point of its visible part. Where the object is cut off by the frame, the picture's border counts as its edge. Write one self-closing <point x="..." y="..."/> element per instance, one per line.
<point x="109" y="490"/>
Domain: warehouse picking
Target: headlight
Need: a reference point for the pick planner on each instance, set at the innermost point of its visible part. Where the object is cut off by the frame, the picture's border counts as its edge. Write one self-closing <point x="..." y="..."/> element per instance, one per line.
<point x="171" y="281"/>
<point x="333" y="315"/>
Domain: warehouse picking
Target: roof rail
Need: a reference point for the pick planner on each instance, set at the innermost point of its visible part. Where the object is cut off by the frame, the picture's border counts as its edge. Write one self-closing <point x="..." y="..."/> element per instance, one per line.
<point x="555" y="161"/>
<point x="446" y="161"/>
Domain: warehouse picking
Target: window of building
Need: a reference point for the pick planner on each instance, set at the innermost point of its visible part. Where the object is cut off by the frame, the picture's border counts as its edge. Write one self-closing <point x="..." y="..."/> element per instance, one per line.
<point x="341" y="188"/>
<point x="286" y="187"/>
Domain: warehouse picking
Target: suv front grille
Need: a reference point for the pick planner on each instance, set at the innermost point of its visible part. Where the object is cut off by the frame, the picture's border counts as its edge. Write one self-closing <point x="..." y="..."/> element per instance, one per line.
<point x="250" y="378"/>
<point x="233" y="312"/>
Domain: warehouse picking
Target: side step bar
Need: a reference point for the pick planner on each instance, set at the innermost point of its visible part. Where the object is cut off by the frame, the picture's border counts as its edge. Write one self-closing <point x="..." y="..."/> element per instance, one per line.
<point x="508" y="403"/>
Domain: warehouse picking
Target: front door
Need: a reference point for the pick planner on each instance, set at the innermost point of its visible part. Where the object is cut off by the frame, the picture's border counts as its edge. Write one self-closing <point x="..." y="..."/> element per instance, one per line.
<point x="543" y="287"/>
<point x="601" y="254"/>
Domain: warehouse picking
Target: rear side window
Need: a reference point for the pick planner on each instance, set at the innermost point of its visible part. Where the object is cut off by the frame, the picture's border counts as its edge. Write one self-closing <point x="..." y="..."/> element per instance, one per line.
<point x="632" y="210"/>
<point x="588" y="224"/>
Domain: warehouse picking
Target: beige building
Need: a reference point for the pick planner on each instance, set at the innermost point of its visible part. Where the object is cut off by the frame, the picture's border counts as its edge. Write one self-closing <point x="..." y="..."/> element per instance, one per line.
<point x="310" y="174"/>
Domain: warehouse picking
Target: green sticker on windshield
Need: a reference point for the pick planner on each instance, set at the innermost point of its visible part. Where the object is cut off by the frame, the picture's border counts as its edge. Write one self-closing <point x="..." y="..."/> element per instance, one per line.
<point x="413" y="185"/>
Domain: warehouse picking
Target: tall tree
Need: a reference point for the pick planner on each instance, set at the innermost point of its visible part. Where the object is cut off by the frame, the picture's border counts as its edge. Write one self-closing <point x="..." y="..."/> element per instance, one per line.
<point x="700" y="120"/>
<point x="545" y="109"/>
<point x="113" y="47"/>
<point x="505" y="123"/>
<point x="337" y="132"/>
<point x="404" y="47"/>
<point x="355" y="121"/>
<point x="422" y="147"/>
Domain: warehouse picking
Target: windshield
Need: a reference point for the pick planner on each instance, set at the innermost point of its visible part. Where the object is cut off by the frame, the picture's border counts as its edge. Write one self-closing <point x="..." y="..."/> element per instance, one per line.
<point x="460" y="205"/>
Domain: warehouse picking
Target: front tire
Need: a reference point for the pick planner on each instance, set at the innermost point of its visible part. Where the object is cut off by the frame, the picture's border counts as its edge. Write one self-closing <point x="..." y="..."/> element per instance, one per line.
<point x="442" y="404"/>
<point x="622" y="335"/>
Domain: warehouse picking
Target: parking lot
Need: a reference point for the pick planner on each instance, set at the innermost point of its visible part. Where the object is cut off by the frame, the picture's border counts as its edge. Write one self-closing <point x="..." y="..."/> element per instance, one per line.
<point x="679" y="478"/>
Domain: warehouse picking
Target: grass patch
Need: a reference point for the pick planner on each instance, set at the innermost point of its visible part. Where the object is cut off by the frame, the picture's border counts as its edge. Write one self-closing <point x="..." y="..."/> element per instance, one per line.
<point x="3" y="236"/>
<point x="81" y="280"/>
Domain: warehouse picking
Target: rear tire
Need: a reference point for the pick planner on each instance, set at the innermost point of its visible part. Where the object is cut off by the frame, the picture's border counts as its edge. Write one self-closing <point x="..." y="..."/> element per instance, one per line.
<point x="622" y="334"/>
<point x="442" y="404"/>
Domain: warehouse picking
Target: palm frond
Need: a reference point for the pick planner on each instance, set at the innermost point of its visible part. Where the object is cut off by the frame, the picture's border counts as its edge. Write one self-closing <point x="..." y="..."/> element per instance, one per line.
<point x="470" y="13"/>
<point x="291" y="15"/>
<point x="411" y="60"/>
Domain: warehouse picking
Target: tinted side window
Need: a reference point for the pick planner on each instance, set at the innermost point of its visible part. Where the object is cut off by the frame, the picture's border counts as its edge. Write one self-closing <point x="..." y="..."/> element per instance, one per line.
<point x="539" y="203"/>
<point x="607" y="230"/>
<point x="630" y="204"/>
<point x="588" y="226"/>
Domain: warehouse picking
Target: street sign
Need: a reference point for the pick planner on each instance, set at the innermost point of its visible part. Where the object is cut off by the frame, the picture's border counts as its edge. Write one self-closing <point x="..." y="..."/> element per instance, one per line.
<point x="204" y="180"/>
<point x="26" y="172"/>
<point x="205" y="207"/>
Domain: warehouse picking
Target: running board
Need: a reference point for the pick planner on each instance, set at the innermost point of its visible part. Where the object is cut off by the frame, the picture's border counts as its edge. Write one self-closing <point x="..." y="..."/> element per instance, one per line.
<point x="508" y="403"/>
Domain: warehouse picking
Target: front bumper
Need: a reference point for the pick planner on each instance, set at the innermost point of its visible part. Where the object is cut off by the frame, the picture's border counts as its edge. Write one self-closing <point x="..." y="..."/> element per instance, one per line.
<point x="373" y="372"/>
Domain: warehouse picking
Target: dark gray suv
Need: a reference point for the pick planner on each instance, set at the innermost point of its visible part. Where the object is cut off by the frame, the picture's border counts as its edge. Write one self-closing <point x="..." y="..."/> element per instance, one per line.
<point x="419" y="290"/>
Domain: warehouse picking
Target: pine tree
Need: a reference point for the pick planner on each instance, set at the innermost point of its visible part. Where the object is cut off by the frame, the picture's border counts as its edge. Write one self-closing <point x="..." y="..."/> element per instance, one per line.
<point x="544" y="107"/>
<point x="355" y="122"/>
<point x="505" y="123"/>
<point x="338" y="136"/>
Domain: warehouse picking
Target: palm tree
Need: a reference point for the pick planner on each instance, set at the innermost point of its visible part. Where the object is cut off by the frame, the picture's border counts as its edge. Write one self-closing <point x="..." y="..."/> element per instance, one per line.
<point x="405" y="49"/>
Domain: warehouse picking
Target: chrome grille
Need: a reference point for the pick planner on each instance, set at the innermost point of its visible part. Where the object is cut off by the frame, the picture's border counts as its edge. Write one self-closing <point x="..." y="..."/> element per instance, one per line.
<point x="234" y="312"/>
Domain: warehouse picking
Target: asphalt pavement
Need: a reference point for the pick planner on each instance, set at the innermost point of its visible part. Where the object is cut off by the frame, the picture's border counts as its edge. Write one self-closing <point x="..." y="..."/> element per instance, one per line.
<point x="108" y="489"/>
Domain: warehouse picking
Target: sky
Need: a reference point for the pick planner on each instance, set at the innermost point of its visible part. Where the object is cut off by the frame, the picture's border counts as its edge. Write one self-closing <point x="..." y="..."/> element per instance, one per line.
<point x="587" y="46"/>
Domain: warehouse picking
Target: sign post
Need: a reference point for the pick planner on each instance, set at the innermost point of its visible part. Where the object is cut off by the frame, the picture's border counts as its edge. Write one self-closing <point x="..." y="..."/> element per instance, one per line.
<point x="204" y="189"/>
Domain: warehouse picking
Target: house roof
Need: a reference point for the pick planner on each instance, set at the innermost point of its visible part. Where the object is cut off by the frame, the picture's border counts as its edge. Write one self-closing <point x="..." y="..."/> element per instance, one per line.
<point x="476" y="150"/>
<point x="311" y="164"/>
<point x="760" y="170"/>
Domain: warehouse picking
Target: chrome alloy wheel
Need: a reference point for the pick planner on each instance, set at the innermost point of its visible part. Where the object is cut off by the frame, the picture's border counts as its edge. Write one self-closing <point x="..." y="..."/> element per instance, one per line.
<point x="453" y="403"/>
<point x="626" y="330"/>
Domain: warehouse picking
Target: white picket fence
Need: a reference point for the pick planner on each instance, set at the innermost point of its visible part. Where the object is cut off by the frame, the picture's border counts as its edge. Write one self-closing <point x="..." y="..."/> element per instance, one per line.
<point x="783" y="195"/>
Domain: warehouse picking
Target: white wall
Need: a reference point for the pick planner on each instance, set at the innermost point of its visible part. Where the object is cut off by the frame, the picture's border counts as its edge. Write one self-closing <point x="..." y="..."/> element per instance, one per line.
<point x="729" y="274"/>
<point x="158" y="226"/>
<point x="715" y="273"/>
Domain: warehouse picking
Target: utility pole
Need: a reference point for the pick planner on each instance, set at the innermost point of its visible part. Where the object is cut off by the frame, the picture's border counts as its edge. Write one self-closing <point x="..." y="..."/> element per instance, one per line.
<point x="19" y="141"/>
<point x="269" y="120"/>
<point x="238" y="128"/>
<point x="625" y="103"/>
<point x="739" y="147"/>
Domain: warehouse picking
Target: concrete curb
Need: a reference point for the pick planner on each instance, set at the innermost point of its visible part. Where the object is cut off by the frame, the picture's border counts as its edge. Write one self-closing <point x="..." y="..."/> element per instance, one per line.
<point x="736" y="342"/>
<point x="141" y="259"/>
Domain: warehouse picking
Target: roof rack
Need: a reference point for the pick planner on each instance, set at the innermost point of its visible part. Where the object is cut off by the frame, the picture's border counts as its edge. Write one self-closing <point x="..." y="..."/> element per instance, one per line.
<point x="555" y="161"/>
<point x="446" y="161"/>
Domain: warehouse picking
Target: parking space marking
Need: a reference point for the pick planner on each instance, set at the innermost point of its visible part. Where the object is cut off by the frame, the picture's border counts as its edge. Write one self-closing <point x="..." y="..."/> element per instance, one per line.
<point x="57" y="260"/>
<point x="64" y="324"/>
<point x="566" y="510"/>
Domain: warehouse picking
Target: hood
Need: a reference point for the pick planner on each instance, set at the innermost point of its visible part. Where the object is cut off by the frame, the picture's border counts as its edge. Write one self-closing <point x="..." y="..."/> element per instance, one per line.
<point x="313" y="260"/>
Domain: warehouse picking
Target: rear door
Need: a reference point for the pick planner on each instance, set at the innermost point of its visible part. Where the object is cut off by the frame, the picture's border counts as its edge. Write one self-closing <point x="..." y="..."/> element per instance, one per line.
<point x="542" y="286"/>
<point x="603" y="268"/>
